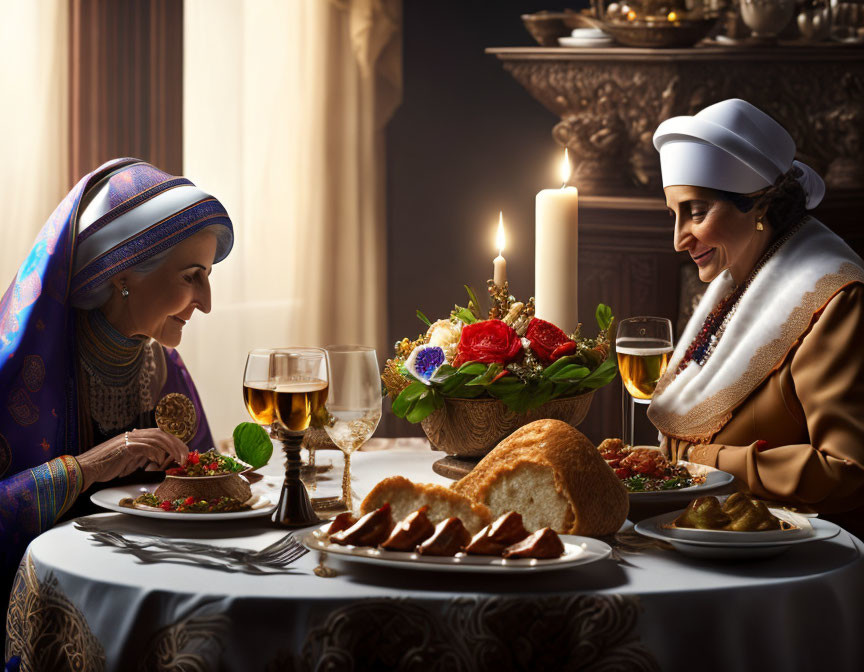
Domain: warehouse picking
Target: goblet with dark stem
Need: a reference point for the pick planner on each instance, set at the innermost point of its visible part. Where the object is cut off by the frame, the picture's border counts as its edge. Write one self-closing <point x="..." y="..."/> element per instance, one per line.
<point x="293" y="389"/>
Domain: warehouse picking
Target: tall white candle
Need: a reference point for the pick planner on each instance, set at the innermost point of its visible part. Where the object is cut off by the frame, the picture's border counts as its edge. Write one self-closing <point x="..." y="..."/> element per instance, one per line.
<point x="499" y="263"/>
<point x="556" y="253"/>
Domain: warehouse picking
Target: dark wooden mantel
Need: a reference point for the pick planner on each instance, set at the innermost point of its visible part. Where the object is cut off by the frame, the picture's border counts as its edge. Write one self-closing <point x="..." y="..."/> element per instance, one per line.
<point x="609" y="101"/>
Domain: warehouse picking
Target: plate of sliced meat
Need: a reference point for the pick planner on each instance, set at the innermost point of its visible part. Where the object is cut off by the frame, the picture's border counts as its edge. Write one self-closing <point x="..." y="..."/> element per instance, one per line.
<point x="416" y="543"/>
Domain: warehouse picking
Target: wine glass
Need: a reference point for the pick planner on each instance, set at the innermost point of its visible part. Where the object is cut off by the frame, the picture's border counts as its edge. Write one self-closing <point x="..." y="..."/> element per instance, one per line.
<point x="353" y="405"/>
<point x="644" y="346"/>
<point x="293" y="389"/>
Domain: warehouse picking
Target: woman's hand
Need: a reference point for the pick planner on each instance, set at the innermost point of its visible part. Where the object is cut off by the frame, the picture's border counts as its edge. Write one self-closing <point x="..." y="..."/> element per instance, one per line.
<point x="130" y="451"/>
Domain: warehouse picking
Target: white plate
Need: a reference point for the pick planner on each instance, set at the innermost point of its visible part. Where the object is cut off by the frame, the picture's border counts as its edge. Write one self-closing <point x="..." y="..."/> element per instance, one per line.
<point x="577" y="551"/>
<point x="585" y="41"/>
<point x="715" y="480"/>
<point x="269" y="487"/>
<point x="736" y="545"/>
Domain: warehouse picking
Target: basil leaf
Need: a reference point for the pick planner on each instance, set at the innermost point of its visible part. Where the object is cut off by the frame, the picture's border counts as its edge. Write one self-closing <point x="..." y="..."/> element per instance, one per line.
<point x="252" y="444"/>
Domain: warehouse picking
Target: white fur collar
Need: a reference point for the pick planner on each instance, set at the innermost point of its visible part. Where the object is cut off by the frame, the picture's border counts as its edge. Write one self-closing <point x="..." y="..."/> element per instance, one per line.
<point x="801" y="277"/>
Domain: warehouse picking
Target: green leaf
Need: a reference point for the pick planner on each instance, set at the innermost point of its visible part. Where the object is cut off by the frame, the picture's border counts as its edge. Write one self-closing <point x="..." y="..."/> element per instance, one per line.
<point x="443" y="374"/>
<point x="252" y="444"/>
<point x="425" y="406"/>
<point x="602" y="375"/>
<point x="504" y="387"/>
<point x="472" y="300"/>
<point x="403" y="403"/>
<point x="453" y="384"/>
<point x="603" y="315"/>
<point x="472" y="368"/>
<point x="423" y="318"/>
<point x="468" y="392"/>
<point x="558" y="364"/>
<point x="465" y="315"/>
<point x="570" y="372"/>
<point x="487" y="376"/>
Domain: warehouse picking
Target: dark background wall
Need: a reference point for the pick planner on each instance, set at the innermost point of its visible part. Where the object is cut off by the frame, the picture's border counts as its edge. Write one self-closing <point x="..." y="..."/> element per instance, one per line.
<point x="467" y="142"/>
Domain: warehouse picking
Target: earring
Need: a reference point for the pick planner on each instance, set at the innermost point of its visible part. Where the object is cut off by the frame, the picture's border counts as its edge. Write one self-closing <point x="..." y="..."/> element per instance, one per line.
<point x="124" y="291"/>
<point x="759" y="225"/>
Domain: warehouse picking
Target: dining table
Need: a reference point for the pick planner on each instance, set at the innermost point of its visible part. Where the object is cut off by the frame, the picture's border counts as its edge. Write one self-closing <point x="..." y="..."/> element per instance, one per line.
<point x="80" y="604"/>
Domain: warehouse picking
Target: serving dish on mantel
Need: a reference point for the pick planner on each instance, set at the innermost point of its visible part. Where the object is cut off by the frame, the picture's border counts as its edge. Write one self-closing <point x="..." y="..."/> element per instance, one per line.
<point x="657" y="32"/>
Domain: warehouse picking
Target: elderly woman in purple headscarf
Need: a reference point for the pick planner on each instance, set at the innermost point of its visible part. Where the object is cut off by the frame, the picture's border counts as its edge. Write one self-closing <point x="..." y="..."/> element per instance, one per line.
<point x="88" y="329"/>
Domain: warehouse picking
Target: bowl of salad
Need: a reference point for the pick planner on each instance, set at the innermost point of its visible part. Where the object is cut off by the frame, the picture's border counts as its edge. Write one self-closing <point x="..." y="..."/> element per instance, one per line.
<point x="206" y="476"/>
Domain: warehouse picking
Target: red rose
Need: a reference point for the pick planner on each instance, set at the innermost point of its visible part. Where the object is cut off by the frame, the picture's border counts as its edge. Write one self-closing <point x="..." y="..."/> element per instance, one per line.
<point x="548" y="341"/>
<point x="489" y="341"/>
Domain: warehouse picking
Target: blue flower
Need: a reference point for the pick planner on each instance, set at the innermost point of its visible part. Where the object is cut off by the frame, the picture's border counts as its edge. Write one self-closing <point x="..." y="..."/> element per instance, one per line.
<point x="424" y="361"/>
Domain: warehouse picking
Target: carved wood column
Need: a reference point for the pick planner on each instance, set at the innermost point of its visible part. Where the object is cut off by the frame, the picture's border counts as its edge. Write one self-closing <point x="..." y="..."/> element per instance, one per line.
<point x="126" y="83"/>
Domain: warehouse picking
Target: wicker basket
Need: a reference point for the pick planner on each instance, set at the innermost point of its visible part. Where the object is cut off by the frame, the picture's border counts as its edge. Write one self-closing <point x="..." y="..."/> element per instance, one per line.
<point x="473" y="427"/>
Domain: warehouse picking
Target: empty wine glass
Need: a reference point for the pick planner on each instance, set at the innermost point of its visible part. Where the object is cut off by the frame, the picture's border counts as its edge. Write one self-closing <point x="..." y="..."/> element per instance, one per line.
<point x="354" y="403"/>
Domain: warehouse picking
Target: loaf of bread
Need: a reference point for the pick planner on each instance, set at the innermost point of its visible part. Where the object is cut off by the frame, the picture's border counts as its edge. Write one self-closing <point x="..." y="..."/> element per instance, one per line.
<point x="552" y="474"/>
<point x="405" y="497"/>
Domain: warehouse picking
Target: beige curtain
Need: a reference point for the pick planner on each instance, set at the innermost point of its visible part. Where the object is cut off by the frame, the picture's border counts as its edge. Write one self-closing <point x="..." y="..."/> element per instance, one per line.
<point x="285" y="104"/>
<point x="34" y="48"/>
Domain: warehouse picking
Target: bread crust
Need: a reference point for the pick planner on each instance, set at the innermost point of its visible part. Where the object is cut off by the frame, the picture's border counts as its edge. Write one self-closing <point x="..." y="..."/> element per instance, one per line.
<point x="473" y="514"/>
<point x="597" y="497"/>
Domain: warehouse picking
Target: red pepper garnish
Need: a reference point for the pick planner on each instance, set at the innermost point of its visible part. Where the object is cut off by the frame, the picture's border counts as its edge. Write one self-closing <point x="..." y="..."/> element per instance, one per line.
<point x="214" y="466"/>
<point x="175" y="471"/>
<point x="194" y="458"/>
<point x="622" y="472"/>
<point x="189" y="501"/>
<point x="166" y="505"/>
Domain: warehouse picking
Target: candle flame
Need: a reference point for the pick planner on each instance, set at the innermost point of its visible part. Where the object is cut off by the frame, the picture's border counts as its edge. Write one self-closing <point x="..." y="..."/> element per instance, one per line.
<point x="565" y="168"/>
<point x="499" y="238"/>
<point x="631" y="15"/>
<point x="672" y="16"/>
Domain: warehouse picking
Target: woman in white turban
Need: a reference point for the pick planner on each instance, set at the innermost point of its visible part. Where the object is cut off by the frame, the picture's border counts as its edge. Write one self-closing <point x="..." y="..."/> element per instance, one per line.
<point x="767" y="381"/>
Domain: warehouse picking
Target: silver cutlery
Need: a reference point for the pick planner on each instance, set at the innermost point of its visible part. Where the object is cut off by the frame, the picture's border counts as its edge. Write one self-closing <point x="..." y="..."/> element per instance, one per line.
<point x="153" y="548"/>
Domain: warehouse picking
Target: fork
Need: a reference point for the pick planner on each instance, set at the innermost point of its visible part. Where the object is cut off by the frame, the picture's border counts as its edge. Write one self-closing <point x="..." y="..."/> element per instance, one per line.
<point x="285" y="550"/>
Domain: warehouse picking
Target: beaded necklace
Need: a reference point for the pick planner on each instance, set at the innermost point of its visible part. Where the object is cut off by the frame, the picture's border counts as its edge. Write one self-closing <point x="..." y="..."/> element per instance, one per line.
<point x="715" y="323"/>
<point x="118" y="371"/>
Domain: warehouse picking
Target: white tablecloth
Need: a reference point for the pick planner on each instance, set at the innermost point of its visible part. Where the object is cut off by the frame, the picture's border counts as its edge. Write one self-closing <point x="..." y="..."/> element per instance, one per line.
<point x="656" y="610"/>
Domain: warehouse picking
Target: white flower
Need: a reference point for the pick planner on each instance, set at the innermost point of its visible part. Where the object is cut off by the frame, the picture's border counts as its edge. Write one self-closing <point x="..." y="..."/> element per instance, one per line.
<point x="445" y="334"/>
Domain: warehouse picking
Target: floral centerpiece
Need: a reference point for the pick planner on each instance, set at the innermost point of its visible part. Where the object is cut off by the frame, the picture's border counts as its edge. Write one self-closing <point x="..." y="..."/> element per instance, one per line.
<point x="508" y="354"/>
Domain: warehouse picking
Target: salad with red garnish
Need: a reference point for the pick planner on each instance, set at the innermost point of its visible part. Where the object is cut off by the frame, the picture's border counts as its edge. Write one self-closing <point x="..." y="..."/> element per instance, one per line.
<point x="211" y="463"/>
<point x="187" y="504"/>
<point x="645" y="469"/>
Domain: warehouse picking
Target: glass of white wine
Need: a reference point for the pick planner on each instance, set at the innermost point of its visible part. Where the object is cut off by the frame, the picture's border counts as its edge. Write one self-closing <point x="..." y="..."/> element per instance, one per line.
<point x="644" y="346"/>
<point x="353" y="404"/>
<point x="283" y="388"/>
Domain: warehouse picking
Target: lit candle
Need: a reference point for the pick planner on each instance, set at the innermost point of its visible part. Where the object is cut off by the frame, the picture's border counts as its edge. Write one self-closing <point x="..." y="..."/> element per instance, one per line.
<point x="556" y="227"/>
<point x="499" y="264"/>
